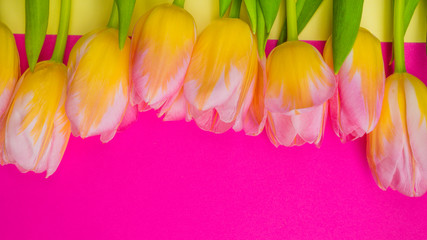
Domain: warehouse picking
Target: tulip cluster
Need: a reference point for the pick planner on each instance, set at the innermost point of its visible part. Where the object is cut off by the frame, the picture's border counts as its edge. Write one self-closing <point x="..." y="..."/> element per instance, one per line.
<point x="220" y="80"/>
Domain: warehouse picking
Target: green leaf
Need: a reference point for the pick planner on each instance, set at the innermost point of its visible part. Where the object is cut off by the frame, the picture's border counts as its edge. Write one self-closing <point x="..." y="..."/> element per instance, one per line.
<point x="269" y="10"/>
<point x="300" y="4"/>
<point x="36" y="20"/>
<point x="252" y="12"/>
<point x="261" y="34"/>
<point x="223" y="6"/>
<point x="345" y="26"/>
<point x="410" y="6"/>
<point x="235" y="9"/>
<point x="305" y="11"/>
<point x="125" y="8"/>
<point x="179" y="3"/>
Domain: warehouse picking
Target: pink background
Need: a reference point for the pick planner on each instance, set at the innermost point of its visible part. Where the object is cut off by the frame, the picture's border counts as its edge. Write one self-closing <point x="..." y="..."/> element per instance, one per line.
<point x="171" y="180"/>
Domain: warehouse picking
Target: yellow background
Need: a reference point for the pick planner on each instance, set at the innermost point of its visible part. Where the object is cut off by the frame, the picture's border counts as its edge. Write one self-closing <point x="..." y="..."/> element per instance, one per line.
<point x="87" y="15"/>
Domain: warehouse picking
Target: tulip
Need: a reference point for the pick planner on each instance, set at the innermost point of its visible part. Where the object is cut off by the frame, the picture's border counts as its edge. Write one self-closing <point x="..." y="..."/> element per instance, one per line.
<point x="355" y="108"/>
<point x="160" y="57"/>
<point x="98" y="80"/>
<point x="9" y="67"/>
<point x="36" y="130"/>
<point x="298" y="88"/>
<point x="220" y="79"/>
<point x="396" y="149"/>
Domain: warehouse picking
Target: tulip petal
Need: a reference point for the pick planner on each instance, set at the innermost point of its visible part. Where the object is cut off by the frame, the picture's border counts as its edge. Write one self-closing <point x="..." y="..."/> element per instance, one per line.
<point x="220" y="78"/>
<point x="395" y="148"/>
<point x="209" y="120"/>
<point x="386" y="144"/>
<point x="280" y="130"/>
<point x="57" y="145"/>
<point x="98" y="84"/>
<point x="295" y="130"/>
<point x="160" y="58"/>
<point x="175" y="108"/>
<point x="246" y="95"/>
<point x="298" y="78"/>
<point x="310" y="126"/>
<point x="256" y="116"/>
<point x="350" y="116"/>
<point x="9" y="67"/>
<point x="130" y="117"/>
<point x="221" y="91"/>
<point x="416" y="115"/>
<point x="357" y="104"/>
<point x="30" y="122"/>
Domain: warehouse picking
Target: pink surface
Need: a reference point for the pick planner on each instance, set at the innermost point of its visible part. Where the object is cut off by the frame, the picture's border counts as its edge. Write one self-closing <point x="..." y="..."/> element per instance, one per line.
<point x="171" y="180"/>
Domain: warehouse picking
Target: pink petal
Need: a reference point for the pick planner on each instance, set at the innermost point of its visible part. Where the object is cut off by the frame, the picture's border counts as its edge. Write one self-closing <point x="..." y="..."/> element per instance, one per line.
<point x="131" y="114"/>
<point x="174" y="109"/>
<point x="256" y="116"/>
<point x="416" y="114"/>
<point x="210" y="121"/>
<point x="295" y="130"/>
<point x="280" y="129"/>
<point x="388" y="149"/>
<point x="57" y="145"/>
<point x="310" y="126"/>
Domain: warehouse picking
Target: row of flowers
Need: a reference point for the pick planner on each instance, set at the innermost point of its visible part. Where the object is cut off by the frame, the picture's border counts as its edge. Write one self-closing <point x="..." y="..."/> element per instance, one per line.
<point x="218" y="79"/>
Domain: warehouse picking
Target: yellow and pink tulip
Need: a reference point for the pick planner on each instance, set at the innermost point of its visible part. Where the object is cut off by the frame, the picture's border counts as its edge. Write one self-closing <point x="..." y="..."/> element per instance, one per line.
<point x="98" y="82"/>
<point x="35" y="131"/>
<point x="9" y="67"/>
<point x="356" y="106"/>
<point x="161" y="47"/>
<point x="396" y="149"/>
<point x="220" y="79"/>
<point x="299" y="85"/>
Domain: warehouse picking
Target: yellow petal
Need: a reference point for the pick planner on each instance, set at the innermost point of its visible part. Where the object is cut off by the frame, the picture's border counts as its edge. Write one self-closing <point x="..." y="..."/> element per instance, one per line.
<point x="220" y="78"/>
<point x="30" y="122"/>
<point x="161" y="47"/>
<point x="98" y="73"/>
<point x="9" y="66"/>
<point x="298" y="78"/>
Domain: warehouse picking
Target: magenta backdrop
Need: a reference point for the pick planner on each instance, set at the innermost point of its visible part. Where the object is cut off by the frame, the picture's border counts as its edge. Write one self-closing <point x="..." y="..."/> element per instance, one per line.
<point x="171" y="180"/>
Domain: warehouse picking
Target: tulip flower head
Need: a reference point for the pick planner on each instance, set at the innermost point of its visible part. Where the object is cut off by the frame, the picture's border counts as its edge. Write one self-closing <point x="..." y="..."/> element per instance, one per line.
<point x="396" y="147"/>
<point x="299" y="86"/>
<point x="220" y="79"/>
<point x="98" y="73"/>
<point x="36" y="130"/>
<point x="356" y="106"/>
<point x="160" y="57"/>
<point x="9" y="67"/>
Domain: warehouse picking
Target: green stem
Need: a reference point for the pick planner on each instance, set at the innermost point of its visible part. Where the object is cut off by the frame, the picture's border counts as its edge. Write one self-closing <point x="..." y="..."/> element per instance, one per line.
<point x="61" y="37"/>
<point x="179" y="3"/>
<point x="114" y="17"/>
<point x="291" y="18"/>
<point x="36" y="20"/>
<point x="235" y="9"/>
<point x="398" y="37"/>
